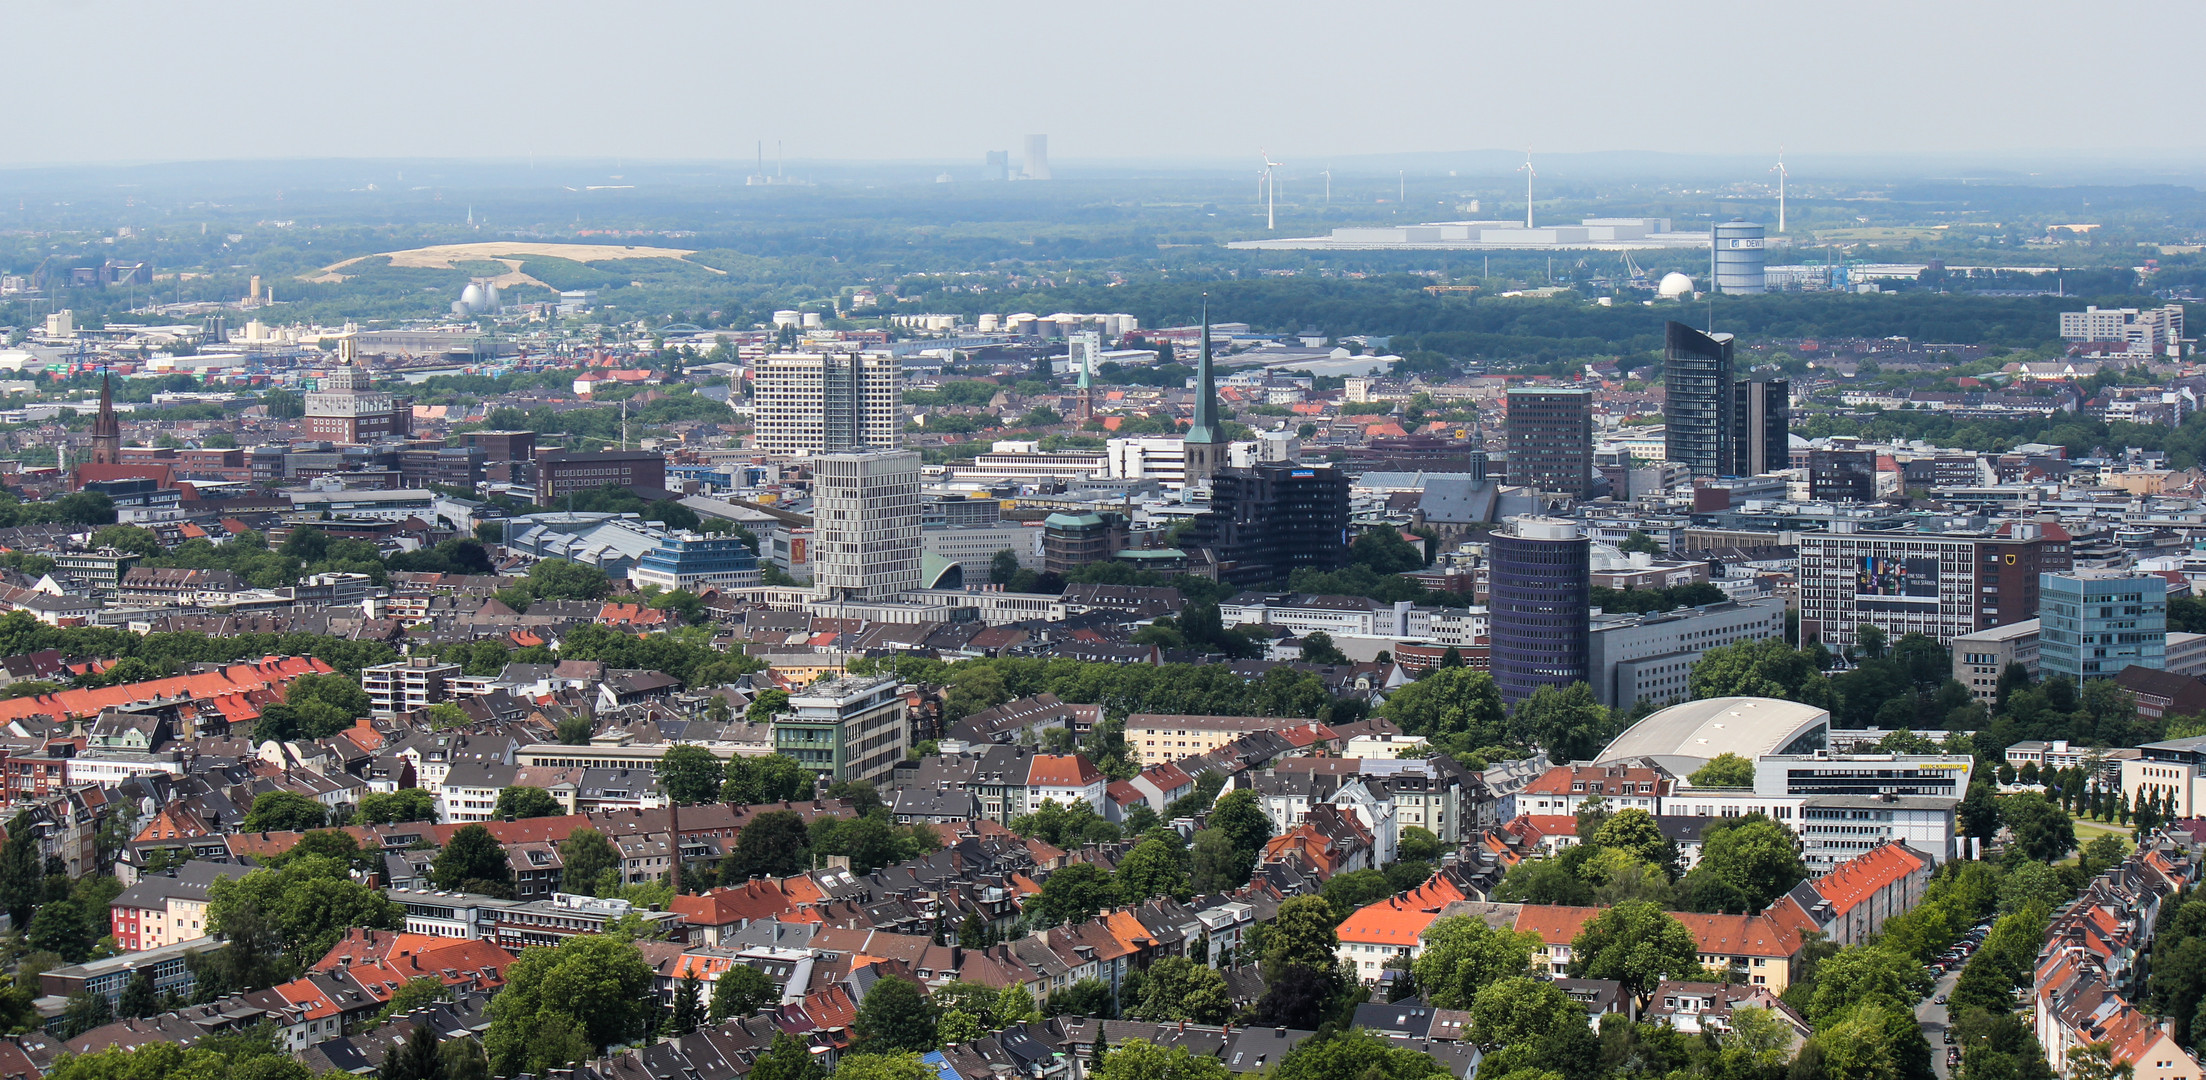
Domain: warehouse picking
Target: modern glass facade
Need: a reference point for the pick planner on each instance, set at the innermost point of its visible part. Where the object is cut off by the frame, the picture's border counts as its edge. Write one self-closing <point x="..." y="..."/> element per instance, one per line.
<point x="2091" y="627"/>
<point x="1761" y="426"/>
<point x="1541" y="600"/>
<point x="1698" y="416"/>
<point x="697" y="563"/>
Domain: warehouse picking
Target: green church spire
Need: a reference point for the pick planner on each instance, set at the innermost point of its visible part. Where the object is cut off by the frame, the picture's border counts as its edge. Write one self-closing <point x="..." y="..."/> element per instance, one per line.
<point x="1205" y="429"/>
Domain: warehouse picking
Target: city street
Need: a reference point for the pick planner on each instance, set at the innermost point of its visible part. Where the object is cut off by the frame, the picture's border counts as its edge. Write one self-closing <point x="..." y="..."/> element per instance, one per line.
<point x="1932" y="1017"/>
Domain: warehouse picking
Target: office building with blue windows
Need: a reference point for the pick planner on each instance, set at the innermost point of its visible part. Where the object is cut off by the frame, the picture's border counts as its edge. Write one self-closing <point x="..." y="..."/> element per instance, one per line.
<point x="1541" y="585"/>
<point x="2091" y="626"/>
<point x="697" y="563"/>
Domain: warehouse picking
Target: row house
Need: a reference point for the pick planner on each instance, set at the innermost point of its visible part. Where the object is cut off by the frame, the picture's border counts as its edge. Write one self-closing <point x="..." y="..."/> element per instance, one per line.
<point x="2090" y="963"/>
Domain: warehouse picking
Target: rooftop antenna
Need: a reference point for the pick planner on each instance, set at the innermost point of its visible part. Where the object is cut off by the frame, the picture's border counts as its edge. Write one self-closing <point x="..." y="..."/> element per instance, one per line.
<point x="1271" y="222"/>
<point x="1529" y="173"/>
<point x="1781" y="174"/>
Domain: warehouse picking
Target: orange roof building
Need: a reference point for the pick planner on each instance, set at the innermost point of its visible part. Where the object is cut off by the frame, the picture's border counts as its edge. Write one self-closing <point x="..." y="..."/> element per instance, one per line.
<point x="1759" y="948"/>
<point x="1394" y="927"/>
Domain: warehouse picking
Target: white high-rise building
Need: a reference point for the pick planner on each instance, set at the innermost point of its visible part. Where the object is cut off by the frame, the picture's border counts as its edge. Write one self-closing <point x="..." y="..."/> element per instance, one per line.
<point x="865" y="522"/>
<point x="2151" y="330"/>
<point x="810" y="403"/>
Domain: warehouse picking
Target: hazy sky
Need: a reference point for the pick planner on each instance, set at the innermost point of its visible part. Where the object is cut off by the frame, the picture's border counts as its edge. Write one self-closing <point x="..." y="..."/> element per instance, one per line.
<point x="138" y="80"/>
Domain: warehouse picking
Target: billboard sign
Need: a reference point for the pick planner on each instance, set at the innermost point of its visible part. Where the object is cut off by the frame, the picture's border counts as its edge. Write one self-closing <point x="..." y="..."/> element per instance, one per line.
<point x="1897" y="583"/>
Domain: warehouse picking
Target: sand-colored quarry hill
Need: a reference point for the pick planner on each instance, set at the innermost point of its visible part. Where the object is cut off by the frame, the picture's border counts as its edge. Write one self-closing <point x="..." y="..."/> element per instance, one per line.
<point x="509" y="253"/>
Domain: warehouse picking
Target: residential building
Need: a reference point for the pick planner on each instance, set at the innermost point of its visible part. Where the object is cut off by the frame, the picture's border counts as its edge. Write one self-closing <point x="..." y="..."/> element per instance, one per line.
<point x="1392" y="930"/>
<point x="849" y="728"/>
<point x="548" y="922"/>
<point x="1159" y="738"/>
<point x="450" y="914"/>
<point x="811" y="403"/>
<point x="1980" y="657"/>
<point x="1268" y="521"/>
<point x="865" y="513"/>
<point x="1759" y="950"/>
<point x="1940" y="584"/>
<point x="1541" y="588"/>
<point x="2143" y="331"/>
<point x="1551" y="439"/>
<point x="2092" y="624"/>
<point x="407" y="686"/>
<point x="560" y="473"/>
<point x="166" y="909"/>
<point x="1700" y="408"/>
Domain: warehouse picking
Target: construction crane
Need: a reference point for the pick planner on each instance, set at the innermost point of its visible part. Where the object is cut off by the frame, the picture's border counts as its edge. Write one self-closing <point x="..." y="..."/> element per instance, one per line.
<point x="1638" y="277"/>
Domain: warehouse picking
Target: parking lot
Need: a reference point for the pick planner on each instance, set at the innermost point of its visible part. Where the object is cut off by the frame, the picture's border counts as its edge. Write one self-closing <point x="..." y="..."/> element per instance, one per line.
<point x="1932" y="1014"/>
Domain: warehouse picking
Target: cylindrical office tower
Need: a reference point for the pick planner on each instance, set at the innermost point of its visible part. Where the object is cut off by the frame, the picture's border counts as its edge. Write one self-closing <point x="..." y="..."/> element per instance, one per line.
<point x="1739" y="257"/>
<point x="1540" y="594"/>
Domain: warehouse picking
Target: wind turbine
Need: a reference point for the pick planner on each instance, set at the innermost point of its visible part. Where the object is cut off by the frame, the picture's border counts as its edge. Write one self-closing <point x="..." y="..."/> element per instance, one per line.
<point x="1270" y="192"/>
<point x="1529" y="173"/>
<point x="1781" y="174"/>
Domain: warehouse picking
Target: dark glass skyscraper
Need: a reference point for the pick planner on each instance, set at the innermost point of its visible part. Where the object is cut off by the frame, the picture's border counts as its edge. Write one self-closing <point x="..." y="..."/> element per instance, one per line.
<point x="1761" y="426"/>
<point x="1269" y="521"/>
<point x="1696" y="381"/>
<point x="1540" y="596"/>
<point x="1551" y="439"/>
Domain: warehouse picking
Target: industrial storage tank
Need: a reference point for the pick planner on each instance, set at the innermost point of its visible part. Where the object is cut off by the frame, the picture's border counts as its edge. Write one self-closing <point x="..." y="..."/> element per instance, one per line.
<point x="1674" y="286"/>
<point x="472" y="297"/>
<point x="1739" y="257"/>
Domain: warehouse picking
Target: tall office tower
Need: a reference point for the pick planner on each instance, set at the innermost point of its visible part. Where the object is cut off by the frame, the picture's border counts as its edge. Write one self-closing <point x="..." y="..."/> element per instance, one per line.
<point x="1940" y="584"/>
<point x="1761" y="426"/>
<point x="1036" y="165"/>
<point x="865" y="524"/>
<point x="1842" y="475"/>
<point x="1204" y="445"/>
<point x="1268" y="521"/>
<point x="1541" y="588"/>
<point x="810" y="403"/>
<point x="2092" y="625"/>
<point x="1696" y="377"/>
<point x="1551" y="439"/>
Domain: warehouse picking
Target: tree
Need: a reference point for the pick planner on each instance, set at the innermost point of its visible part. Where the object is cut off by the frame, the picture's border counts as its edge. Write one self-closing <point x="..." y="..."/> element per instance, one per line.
<point x="1641" y="543"/>
<point x="1725" y="770"/>
<point x="1861" y="974"/>
<point x="22" y="875"/>
<point x="416" y="1058"/>
<point x="523" y="801"/>
<point x="787" y="1059"/>
<point x="85" y="1011"/>
<point x="1979" y="811"/>
<point x="2096" y="1062"/>
<point x="444" y="716"/>
<point x="772" y="778"/>
<point x="284" y="811"/>
<point x="1638" y="945"/>
<point x="690" y="774"/>
<point x="139" y="998"/>
<point x="1565" y="721"/>
<point x="1302" y="933"/>
<point x="463" y="1058"/>
<point x="1215" y="865"/>
<point x="1177" y="988"/>
<point x="1352" y="890"/>
<point x="576" y="731"/>
<point x="417" y="993"/>
<point x="1002" y="567"/>
<point x="1635" y="832"/>
<point x="689" y="1003"/>
<point x="1076" y="892"/>
<point x="1419" y="844"/>
<point x="1385" y="552"/>
<point x="1357" y="1054"/>
<point x="741" y="990"/>
<point x="1520" y="1010"/>
<point x="896" y="1015"/>
<point x="392" y="807"/>
<point x="302" y="908"/>
<point x="1452" y="703"/>
<point x="1766" y="668"/>
<point x="1757" y="856"/>
<point x="63" y="927"/>
<point x="1463" y="954"/>
<point x="473" y="861"/>
<point x="1088" y="997"/>
<point x="773" y="844"/>
<point x="585" y="856"/>
<point x="590" y="991"/>
<point x="1152" y="869"/>
<point x="1139" y="1059"/>
<point x="2041" y="830"/>
<point x="1241" y="818"/>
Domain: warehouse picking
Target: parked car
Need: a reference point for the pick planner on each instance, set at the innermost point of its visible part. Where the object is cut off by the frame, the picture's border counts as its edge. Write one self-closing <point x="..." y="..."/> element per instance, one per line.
<point x="1940" y="999"/>
<point x="1950" y="1040"/>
